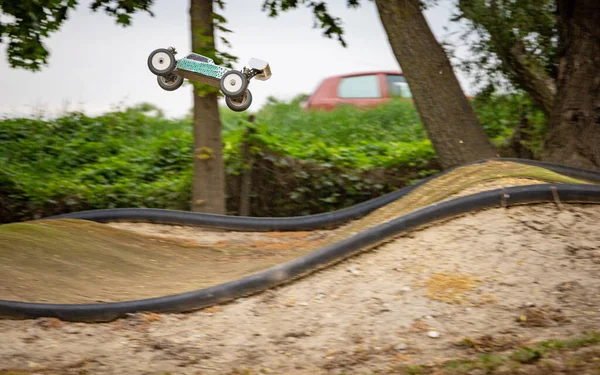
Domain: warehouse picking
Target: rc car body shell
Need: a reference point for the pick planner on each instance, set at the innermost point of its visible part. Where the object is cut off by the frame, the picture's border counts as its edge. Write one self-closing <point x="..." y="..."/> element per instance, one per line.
<point x="200" y="68"/>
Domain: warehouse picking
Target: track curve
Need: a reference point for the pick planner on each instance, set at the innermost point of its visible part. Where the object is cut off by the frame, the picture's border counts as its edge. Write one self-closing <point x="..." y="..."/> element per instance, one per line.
<point x="286" y="272"/>
<point x="296" y="223"/>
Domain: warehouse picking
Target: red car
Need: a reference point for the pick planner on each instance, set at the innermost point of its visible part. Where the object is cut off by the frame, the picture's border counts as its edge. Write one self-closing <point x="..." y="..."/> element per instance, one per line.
<point x="367" y="89"/>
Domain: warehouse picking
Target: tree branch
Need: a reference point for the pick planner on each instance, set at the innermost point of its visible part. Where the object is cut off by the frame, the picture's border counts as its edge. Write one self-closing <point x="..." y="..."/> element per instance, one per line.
<point x="498" y="19"/>
<point x="529" y="74"/>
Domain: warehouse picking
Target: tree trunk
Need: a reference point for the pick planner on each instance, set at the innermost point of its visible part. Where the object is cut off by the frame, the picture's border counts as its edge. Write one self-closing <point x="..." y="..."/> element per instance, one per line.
<point x="447" y="115"/>
<point x="574" y="136"/>
<point x="208" y="191"/>
<point x="516" y="145"/>
<point x="246" y="178"/>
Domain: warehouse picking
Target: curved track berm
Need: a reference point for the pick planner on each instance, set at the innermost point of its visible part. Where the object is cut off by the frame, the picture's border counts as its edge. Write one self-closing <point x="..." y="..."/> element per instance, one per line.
<point x="321" y="258"/>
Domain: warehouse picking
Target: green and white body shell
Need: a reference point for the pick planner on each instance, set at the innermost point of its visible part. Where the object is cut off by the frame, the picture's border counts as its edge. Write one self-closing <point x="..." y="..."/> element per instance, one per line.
<point x="200" y="68"/>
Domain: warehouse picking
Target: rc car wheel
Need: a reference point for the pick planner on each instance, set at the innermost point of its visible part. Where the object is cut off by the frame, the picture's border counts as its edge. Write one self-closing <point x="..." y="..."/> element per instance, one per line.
<point x="233" y="83"/>
<point x="239" y="104"/>
<point x="161" y="62"/>
<point x="170" y="82"/>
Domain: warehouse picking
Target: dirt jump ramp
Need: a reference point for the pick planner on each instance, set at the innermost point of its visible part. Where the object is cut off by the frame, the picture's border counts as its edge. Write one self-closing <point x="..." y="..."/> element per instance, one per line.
<point x="579" y="187"/>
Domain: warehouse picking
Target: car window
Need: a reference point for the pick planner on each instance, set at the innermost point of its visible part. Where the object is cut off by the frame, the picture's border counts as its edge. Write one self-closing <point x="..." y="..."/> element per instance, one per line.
<point x="398" y="86"/>
<point x="366" y="86"/>
<point x="197" y="58"/>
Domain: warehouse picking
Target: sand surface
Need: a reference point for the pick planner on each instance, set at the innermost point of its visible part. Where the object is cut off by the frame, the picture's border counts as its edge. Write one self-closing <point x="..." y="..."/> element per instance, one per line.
<point x="503" y="276"/>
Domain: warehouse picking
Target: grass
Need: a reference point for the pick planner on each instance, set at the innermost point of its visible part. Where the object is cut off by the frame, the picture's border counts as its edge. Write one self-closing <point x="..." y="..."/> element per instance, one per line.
<point x="525" y="360"/>
<point x="518" y="360"/>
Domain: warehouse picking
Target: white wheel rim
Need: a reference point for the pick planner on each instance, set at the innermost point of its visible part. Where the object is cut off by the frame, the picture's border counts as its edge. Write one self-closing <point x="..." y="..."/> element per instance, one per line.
<point x="232" y="83"/>
<point x="161" y="61"/>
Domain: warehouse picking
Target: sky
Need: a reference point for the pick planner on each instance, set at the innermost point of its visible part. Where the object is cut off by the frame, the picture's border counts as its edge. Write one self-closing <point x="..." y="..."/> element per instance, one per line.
<point x="96" y="66"/>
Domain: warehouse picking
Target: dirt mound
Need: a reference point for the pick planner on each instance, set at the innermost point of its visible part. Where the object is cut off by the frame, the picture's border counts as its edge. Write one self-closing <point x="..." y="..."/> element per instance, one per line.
<point x="76" y="261"/>
<point x="489" y="282"/>
<point x="429" y="302"/>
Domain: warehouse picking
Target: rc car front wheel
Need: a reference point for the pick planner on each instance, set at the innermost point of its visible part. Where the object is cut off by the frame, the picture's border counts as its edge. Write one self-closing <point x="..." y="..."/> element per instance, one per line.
<point x="161" y="62"/>
<point x="239" y="104"/>
<point x="170" y="82"/>
<point x="233" y="83"/>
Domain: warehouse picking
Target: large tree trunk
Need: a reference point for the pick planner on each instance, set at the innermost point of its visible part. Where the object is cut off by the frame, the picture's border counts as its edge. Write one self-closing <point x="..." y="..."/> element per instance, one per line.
<point x="574" y="136"/>
<point x="447" y="115"/>
<point x="208" y="191"/>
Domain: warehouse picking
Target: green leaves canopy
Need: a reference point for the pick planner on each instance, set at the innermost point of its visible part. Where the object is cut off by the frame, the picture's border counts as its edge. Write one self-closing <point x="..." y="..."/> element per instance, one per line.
<point x="506" y="33"/>
<point x="332" y="26"/>
<point x="25" y="24"/>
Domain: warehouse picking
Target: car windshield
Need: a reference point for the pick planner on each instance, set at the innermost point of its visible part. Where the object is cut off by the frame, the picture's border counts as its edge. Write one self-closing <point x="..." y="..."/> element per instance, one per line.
<point x="362" y="87"/>
<point x="193" y="56"/>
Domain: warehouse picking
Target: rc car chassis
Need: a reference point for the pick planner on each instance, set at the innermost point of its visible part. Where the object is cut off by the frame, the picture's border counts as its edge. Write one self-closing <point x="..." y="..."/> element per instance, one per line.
<point x="233" y="84"/>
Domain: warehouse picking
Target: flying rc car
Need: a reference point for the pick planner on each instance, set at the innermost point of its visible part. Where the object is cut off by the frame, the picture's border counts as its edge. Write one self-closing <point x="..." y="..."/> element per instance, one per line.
<point x="171" y="72"/>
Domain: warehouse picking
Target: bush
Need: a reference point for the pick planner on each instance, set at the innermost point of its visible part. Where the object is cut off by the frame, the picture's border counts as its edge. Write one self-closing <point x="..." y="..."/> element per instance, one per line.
<point x="306" y="162"/>
<point x="500" y="115"/>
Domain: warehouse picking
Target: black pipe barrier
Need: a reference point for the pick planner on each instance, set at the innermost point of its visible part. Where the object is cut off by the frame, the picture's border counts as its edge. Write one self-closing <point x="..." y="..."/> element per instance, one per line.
<point x="286" y="272"/>
<point x="297" y="223"/>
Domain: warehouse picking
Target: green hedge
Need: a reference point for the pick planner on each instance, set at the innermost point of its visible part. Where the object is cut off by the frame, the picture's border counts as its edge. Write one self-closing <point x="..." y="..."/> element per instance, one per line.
<point x="316" y="161"/>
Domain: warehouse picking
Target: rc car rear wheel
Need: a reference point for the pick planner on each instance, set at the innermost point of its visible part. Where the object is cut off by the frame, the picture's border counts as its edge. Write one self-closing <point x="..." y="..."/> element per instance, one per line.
<point x="233" y="84"/>
<point x="170" y="82"/>
<point x="161" y="62"/>
<point x="239" y="104"/>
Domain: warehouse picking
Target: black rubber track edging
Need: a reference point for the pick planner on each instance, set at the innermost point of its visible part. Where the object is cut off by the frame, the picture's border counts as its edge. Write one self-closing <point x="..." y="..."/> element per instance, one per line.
<point x="297" y="223"/>
<point x="285" y="272"/>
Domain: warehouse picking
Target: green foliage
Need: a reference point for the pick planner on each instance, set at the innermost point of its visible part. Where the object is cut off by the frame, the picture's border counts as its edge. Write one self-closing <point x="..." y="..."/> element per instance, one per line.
<point x="306" y="161"/>
<point x="122" y="10"/>
<point x="332" y="26"/>
<point x="385" y="136"/>
<point x="26" y="24"/>
<point x="137" y="158"/>
<point x="496" y="28"/>
<point x="219" y="22"/>
<point x="544" y="348"/>
<point x="489" y="363"/>
<point x="121" y="158"/>
<point x="500" y="114"/>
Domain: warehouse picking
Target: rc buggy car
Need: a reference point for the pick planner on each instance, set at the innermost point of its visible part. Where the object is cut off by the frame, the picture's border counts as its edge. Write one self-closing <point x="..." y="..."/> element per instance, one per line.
<point x="233" y="83"/>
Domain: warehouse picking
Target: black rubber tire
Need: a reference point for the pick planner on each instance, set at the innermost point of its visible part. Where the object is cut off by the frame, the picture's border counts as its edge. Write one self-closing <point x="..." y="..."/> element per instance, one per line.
<point x="239" y="91"/>
<point x="169" y="65"/>
<point x="169" y="87"/>
<point x="239" y="104"/>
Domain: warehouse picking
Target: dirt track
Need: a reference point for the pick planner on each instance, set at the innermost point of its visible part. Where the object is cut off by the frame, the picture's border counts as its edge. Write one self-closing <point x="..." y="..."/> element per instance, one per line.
<point x="500" y="278"/>
<point x="74" y="261"/>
